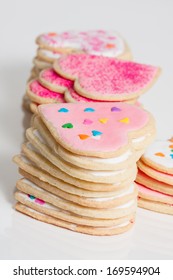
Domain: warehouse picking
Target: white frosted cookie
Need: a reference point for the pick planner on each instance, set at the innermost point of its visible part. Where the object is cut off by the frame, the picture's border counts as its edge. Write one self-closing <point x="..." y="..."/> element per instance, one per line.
<point x="159" y="156"/>
<point x="97" y="42"/>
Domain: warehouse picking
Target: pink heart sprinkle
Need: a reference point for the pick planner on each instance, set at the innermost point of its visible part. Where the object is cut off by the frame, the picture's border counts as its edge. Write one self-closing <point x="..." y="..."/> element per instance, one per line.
<point x="39" y="201"/>
<point x="87" y="121"/>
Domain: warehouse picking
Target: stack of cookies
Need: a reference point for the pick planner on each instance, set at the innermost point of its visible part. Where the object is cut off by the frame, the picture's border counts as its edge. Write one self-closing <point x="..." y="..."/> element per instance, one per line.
<point x="90" y="78"/>
<point x="155" y="177"/>
<point x="53" y="45"/>
<point x="79" y="165"/>
<point x="98" y="42"/>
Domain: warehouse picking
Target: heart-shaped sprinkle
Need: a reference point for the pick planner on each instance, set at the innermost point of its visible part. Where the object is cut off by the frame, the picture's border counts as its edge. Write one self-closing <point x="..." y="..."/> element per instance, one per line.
<point x="96" y="132"/>
<point x="159" y="154"/>
<point x="171" y="146"/>
<point x="40" y="201"/>
<point x="115" y="109"/>
<point x="83" y="136"/>
<point x="67" y="125"/>
<point x="89" y="110"/>
<point x="125" y="120"/>
<point x="171" y="155"/>
<point x="87" y="121"/>
<point x="63" y="110"/>
<point x="103" y="120"/>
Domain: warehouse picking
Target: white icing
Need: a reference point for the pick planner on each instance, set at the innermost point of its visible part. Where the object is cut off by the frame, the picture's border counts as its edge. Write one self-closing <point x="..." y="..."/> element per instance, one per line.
<point x="97" y="42"/>
<point x="126" y="205"/>
<point x="160" y="147"/>
<point x="129" y="191"/>
<point x="50" y="54"/>
<point x="48" y="206"/>
<point x="113" y="160"/>
<point x="139" y="139"/>
<point x="106" y="173"/>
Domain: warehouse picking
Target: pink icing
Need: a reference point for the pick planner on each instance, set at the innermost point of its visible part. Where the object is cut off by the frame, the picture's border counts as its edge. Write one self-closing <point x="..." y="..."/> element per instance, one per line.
<point x="101" y="137"/>
<point x="41" y="91"/>
<point x="150" y="192"/>
<point x="108" y="76"/>
<point x="52" y="77"/>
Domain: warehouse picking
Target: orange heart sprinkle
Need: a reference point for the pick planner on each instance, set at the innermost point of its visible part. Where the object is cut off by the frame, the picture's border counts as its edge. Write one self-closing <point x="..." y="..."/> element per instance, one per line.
<point x="171" y="139"/>
<point x="52" y="34"/>
<point x="159" y="154"/>
<point x="171" y="146"/>
<point x="110" y="46"/>
<point x="83" y="136"/>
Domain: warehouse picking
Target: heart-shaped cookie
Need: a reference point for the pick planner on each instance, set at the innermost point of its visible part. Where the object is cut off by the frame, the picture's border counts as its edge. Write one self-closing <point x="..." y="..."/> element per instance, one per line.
<point x="103" y="78"/>
<point x="81" y="131"/>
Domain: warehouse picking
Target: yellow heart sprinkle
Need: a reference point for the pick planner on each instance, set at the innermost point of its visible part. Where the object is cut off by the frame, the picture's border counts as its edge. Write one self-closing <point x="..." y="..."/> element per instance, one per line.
<point x="103" y="120"/>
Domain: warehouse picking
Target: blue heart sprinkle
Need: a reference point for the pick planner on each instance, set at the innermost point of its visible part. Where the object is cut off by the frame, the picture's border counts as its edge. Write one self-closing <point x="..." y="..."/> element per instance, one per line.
<point x="63" y="110"/>
<point x="89" y="110"/>
<point x="96" y="132"/>
<point x="171" y="155"/>
<point x="31" y="196"/>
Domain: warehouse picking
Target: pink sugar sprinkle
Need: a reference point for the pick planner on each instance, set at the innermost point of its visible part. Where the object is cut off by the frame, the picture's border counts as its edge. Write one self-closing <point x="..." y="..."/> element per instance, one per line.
<point x="41" y="91"/>
<point x="98" y="74"/>
<point x="51" y="76"/>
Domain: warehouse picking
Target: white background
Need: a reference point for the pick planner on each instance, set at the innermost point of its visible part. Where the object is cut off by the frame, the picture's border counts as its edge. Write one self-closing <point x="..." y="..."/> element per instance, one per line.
<point x="147" y="26"/>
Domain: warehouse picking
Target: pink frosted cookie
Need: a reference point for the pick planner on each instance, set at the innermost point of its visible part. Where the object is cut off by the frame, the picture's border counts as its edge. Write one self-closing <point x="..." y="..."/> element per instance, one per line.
<point x="53" y="81"/>
<point x="155" y="201"/>
<point x="97" y="42"/>
<point x="153" y="184"/>
<point x="101" y="129"/>
<point x="154" y="173"/>
<point x="71" y="96"/>
<point x="160" y="156"/>
<point x="39" y="94"/>
<point x="104" y="78"/>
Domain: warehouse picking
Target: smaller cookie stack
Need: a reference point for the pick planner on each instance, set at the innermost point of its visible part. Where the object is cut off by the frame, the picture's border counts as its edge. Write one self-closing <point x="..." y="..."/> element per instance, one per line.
<point x="79" y="165"/>
<point x="90" y="78"/>
<point x="155" y="177"/>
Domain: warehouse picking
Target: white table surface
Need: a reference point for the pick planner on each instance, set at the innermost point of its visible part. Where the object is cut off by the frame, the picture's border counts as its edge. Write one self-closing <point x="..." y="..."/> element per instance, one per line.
<point x="147" y="26"/>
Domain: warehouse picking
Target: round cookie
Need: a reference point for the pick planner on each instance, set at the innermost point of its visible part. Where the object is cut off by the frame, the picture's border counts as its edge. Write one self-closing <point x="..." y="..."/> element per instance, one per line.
<point x="87" y="130"/>
<point x="160" y="156"/>
<point x="97" y="42"/>
<point x="108" y="79"/>
<point x="41" y="95"/>
<point x="51" y="80"/>
<point x="153" y="173"/>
